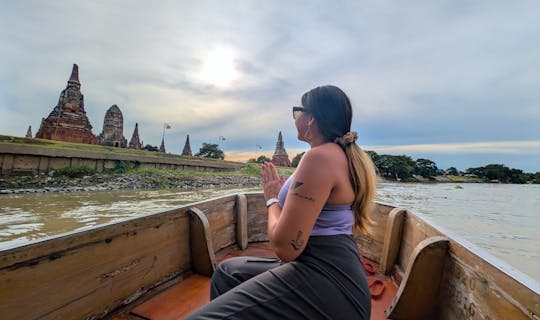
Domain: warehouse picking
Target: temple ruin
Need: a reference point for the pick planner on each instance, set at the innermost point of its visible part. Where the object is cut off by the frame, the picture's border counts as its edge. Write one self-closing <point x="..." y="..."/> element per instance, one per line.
<point x="29" y="132"/>
<point x="187" y="148"/>
<point x="135" y="143"/>
<point x="113" y="129"/>
<point x="68" y="120"/>
<point x="162" y="146"/>
<point x="280" y="157"/>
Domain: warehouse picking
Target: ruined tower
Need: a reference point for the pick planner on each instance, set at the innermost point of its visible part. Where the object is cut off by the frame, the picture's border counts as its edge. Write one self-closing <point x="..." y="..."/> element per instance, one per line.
<point x="113" y="129"/>
<point x="187" y="148"/>
<point x="68" y="120"/>
<point x="162" y="146"/>
<point x="29" y="132"/>
<point x="280" y="157"/>
<point x="135" y="143"/>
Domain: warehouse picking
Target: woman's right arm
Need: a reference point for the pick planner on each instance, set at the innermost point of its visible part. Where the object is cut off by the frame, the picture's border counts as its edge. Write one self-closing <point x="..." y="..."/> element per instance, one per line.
<point x="290" y="226"/>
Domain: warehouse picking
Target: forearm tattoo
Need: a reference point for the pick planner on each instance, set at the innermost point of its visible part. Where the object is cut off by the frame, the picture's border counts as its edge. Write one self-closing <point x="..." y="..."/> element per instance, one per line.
<point x="298" y="243"/>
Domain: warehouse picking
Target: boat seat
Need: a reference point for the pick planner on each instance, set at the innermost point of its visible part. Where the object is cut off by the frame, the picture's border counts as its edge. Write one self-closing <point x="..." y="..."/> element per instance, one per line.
<point x="203" y="259"/>
<point x="417" y="293"/>
<point x="176" y="302"/>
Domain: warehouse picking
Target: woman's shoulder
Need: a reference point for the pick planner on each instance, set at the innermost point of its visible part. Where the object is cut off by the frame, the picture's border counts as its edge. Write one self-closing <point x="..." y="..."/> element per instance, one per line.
<point x="326" y="154"/>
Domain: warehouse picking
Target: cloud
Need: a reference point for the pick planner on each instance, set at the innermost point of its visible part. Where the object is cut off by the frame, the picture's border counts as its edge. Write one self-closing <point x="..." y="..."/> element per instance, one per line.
<point x="499" y="147"/>
<point x="418" y="74"/>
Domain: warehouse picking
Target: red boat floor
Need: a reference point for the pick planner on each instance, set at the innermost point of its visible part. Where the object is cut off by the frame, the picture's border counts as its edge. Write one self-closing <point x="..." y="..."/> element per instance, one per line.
<point x="180" y="300"/>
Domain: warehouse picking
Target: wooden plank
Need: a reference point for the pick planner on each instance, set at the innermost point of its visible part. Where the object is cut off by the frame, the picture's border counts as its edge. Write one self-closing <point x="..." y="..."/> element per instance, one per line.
<point x="371" y="243"/>
<point x="257" y="218"/>
<point x="202" y="250"/>
<point x="241" y="221"/>
<point x="221" y="216"/>
<point x="51" y="248"/>
<point x="89" y="281"/>
<point x="178" y="301"/>
<point x="392" y="239"/>
<point x="473" y="287"/>
<point x="419" y="289"/>
<point x="414" y="231"/>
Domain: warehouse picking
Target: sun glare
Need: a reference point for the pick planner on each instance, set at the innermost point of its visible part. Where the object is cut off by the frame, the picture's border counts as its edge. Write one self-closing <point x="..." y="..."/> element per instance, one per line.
<point x="218" y="68"/>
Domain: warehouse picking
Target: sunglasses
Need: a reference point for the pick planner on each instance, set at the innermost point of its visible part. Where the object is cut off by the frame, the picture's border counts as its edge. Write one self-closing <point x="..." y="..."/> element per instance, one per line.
<point x="297" y="111"/>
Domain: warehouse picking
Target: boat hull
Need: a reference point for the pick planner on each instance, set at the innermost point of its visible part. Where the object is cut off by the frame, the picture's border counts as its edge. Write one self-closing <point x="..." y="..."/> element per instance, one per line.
<point x="91" y="273"/>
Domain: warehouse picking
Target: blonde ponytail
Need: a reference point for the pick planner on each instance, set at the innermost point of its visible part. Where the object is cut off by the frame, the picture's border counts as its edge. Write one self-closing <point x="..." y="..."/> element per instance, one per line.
<point x="364" y="181"/>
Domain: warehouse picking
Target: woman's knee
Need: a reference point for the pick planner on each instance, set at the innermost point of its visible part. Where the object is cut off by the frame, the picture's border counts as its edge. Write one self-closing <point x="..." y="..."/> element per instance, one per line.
<point x="226" y="276"/>
<point x="229" y="268"/>
<point x="234" y="271"/>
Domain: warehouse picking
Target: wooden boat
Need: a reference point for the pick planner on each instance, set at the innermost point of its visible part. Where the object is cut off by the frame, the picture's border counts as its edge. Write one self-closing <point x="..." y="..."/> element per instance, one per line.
<point x="158" y="266"/>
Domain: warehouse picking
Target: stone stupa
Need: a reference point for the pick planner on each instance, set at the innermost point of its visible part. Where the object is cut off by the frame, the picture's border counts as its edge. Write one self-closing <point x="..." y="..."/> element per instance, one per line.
<point x="280" y="157"/>
<point x="135" y="142"/>
<point x="113" y="129"/>
<point x="187" y="148"/>
<point x="68" y="120"/>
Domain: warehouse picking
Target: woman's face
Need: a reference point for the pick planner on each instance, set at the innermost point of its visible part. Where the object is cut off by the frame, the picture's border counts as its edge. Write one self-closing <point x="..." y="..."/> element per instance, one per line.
<point x="302" y="123"/>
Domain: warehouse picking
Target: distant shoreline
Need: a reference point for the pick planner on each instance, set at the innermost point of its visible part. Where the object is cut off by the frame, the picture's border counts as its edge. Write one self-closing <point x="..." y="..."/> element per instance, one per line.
<point x="164" y="179"/>
<point x="103" y="182"/>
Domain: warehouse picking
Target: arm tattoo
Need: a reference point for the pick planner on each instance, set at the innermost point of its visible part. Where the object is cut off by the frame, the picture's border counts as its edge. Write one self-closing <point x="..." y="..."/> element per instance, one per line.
<point x="298" y="243"/>
<point x="297" y="185"/>
<point x="303" y="196"/>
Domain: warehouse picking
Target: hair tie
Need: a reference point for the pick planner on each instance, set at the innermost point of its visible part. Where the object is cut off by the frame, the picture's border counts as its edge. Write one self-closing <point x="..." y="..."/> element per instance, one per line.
<point x="346" y="139"/>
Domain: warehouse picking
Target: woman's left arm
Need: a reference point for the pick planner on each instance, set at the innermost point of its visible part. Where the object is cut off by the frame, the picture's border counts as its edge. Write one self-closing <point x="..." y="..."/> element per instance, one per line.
<point x="289" y="227"/>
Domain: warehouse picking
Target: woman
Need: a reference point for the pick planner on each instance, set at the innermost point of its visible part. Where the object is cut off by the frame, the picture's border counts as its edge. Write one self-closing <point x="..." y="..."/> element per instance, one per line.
<point x="310" y="222"/>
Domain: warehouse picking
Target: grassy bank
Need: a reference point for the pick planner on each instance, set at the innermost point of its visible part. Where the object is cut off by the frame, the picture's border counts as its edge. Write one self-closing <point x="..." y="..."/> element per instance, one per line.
<point x="462" y="179"/>
<point x="249" y="170"/>
<point x="94" y="148"/>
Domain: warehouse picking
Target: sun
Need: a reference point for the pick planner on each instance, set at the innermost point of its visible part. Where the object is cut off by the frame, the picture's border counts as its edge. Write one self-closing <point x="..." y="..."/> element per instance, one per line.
<point x="219" y="67"/>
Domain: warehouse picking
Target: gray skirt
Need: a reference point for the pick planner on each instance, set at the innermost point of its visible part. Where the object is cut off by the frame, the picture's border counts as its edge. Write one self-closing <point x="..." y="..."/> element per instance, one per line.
<point x="326" y="281"/>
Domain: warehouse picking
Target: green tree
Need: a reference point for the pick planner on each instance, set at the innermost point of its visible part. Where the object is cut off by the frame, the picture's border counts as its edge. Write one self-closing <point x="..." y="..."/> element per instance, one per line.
<point x="151" y="148"/>
<point x="518" y="176"/>
<point x="452" y="171"/>
<point x="376" y="160"/>
<point x="373" y="155"/>
<point x="426" y="168"/>
<point x="497" y="172"/>
<point x="210" y="150"/>
<point x="536" y="178"/>
<point x="396" y="167"/>
<point x="296" y="160"/>
<point x="479" y="172"/>
<point x="263" y="159"/>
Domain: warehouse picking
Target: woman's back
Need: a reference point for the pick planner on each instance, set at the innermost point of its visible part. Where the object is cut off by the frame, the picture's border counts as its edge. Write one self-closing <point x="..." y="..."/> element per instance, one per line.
<point x="335" y="162"/>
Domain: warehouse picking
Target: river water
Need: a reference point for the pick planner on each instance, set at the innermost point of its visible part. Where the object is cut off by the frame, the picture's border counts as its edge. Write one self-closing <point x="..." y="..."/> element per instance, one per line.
<point x="502" y="219"/>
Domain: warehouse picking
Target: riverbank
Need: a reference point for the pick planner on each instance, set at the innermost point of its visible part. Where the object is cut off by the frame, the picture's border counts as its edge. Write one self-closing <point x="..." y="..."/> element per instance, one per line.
<point x="61" y="181"/>
<point x="156" y="179"/>
<point x="100" y="182"/>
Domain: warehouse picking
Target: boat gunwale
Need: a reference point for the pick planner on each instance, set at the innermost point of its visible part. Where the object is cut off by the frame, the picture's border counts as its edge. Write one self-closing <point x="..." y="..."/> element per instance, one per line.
<point x="503" y="266"/>
<point x="105" y="225"/>
<point x="464" y="253"/>
<point x="498" y="263"/>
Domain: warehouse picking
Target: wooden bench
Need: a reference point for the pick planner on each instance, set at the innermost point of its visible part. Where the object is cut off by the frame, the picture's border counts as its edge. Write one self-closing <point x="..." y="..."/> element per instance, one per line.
<point x="418" y="291"/>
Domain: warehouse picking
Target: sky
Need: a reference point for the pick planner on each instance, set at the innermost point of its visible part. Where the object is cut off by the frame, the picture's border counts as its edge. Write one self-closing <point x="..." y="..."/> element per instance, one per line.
<point x="457" y="82"/>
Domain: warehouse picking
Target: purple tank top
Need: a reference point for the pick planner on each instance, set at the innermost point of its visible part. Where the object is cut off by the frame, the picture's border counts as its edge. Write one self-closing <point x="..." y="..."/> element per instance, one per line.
<point x="333" y="219"/>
